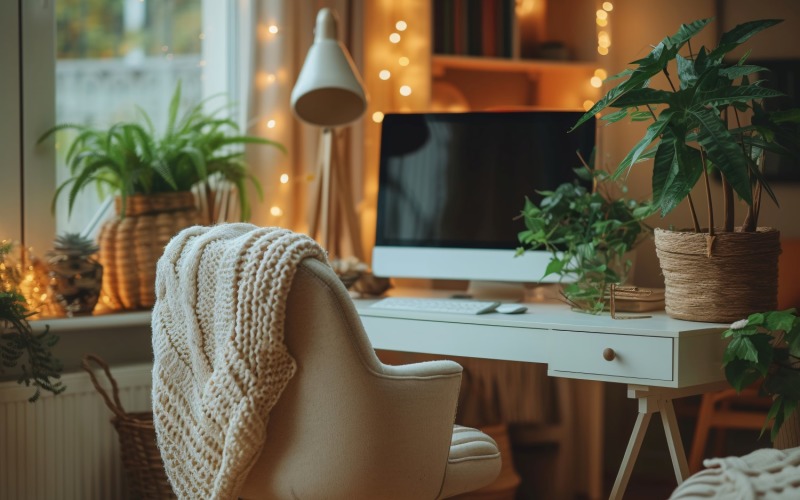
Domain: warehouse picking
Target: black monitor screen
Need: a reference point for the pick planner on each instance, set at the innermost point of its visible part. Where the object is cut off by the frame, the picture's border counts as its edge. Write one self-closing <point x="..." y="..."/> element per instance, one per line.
<point x="459" y="180"/>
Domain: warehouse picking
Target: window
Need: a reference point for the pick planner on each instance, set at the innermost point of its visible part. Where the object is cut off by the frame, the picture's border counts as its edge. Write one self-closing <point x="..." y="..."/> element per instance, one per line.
<point x="104" y="59"/>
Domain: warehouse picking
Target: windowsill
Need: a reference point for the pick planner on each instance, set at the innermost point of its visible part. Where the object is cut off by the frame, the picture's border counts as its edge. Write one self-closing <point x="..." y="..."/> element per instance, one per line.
<point x="88" y="323"/>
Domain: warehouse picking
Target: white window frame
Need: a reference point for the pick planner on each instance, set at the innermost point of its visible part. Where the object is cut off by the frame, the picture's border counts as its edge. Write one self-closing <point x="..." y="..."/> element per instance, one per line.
<point x="27" y="104"/>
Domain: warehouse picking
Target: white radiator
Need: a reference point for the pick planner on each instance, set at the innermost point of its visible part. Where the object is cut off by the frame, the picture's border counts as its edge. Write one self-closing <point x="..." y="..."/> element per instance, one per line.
<point x="64" y="447"/>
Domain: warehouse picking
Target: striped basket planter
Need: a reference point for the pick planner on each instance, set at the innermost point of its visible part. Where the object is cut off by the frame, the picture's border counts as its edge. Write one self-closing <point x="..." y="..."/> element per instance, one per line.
<point x="131" y="246"/>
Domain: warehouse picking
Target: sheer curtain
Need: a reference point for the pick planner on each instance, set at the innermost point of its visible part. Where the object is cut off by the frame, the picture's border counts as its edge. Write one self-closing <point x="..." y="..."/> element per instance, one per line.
<point x="281" y="32"/>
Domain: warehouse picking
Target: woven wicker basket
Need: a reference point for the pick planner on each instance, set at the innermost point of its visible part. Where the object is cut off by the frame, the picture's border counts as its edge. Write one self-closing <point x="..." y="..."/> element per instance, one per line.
<point x="137" y="439"/>
<point x="738" y="278"/>
<point x="131" y="246"/>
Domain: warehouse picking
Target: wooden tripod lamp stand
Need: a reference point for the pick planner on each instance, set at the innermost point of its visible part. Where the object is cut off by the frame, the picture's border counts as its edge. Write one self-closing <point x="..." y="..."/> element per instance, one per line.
<point x="329" y="93"/>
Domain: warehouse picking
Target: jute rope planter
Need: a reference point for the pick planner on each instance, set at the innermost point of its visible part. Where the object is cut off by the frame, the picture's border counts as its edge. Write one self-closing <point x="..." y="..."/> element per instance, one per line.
<point x="738" y="278"/>
<point x="131" y="246"/>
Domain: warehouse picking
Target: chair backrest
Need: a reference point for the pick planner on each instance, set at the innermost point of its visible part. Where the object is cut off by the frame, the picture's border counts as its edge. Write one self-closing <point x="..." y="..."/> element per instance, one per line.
<point x="348" y="426"/>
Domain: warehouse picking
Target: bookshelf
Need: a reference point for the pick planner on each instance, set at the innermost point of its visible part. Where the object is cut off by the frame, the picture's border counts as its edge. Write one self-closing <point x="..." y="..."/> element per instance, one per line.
<point x="509" y="53"/>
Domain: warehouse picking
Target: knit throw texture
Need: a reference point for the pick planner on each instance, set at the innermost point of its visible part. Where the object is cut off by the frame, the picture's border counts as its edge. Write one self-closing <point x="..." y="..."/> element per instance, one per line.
<point x="220" y="362"/>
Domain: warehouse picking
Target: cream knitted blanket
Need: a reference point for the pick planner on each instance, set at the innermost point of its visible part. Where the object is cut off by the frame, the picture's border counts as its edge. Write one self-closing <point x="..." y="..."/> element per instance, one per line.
<point x="765" y="474"/>
<point x="220" y="363"/>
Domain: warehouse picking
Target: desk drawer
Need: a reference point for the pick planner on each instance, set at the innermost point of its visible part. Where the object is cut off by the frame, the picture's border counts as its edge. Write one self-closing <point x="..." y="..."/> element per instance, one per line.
<point x="630" y="356"/>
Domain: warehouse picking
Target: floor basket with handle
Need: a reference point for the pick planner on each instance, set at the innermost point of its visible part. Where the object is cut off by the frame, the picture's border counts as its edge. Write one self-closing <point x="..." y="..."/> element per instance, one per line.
<point x="137" y="439"/>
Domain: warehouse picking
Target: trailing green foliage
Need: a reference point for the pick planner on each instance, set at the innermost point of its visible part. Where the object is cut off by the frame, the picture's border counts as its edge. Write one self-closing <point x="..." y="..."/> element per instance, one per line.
<point x="766" y="347"/>
<point x="588" y="235"/>
<point x="39" y="369"/>
<point x="131" y="157"/>
<point x="690" y="133"/>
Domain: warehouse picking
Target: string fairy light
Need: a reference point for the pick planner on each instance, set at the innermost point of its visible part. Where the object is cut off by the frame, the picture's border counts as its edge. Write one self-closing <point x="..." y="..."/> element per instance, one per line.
<point x="603" y="41"/>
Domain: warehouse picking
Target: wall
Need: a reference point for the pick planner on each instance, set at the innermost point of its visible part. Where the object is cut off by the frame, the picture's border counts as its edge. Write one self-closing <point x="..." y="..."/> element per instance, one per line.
<point x="639" y="23"/>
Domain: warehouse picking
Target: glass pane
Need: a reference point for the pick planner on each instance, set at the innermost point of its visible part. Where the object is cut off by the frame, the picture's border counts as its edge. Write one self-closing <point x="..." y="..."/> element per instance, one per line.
<point x="112" y="57"/>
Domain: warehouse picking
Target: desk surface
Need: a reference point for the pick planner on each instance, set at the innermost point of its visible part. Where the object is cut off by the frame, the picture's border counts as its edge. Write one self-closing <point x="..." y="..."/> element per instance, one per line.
<point x="656" y="351"/>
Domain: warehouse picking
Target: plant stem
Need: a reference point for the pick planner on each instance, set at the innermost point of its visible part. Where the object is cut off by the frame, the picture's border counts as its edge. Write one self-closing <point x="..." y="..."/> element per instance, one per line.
<point x="666" y="73"/>
<point x="691" y="53"/>
<point x="727" y="205"/>
<point x="649" y="108"/>
<point x="694" y="213"/>
<point x="708" y="194"/>
<point x="751" y="220"/>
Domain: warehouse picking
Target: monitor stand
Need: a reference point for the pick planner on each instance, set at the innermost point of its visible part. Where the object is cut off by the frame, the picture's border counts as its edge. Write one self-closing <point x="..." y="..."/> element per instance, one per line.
<point x="504" y="291"/>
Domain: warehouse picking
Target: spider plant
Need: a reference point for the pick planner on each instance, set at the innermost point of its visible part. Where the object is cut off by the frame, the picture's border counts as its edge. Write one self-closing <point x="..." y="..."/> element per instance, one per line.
<point x="132" y="158"/>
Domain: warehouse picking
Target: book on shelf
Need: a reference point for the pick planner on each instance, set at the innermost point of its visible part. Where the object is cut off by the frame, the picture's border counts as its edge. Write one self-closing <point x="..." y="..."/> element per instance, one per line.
<point x="474" y="27"/>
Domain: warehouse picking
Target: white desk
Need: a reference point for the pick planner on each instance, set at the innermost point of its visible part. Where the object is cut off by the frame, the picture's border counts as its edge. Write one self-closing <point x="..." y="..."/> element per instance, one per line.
<point x="660" y="358"/>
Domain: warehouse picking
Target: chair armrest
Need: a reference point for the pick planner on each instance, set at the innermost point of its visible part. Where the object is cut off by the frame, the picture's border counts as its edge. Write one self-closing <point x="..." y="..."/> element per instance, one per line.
<point x="425" y="369"/>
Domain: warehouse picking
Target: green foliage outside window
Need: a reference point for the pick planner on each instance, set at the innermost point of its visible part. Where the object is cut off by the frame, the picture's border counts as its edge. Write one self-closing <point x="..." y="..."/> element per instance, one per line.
<point x="96" y="29"/>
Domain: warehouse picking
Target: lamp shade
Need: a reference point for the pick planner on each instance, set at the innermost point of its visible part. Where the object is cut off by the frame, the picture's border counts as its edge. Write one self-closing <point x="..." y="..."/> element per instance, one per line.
<point x="328" y="91"/>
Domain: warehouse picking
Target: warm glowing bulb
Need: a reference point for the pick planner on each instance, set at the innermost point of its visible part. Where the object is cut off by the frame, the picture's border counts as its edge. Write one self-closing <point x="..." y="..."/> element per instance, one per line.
<point x="377" y="117"/>
<point x="403" y="61"/>
<point x="394" y="37"/>
<point x="401" y="26"/>
<point x="602" y="51"/>
<point x="601" y="14"/>
<point x="284" y="178"/>
<point x="384" y="74"/>
<point x="596" y="82"/>
<point x="608" y="6"/>
<point x="600" y="73"/>
<point x="405" y="90"/>
<point x="271" y="124"/>
<point x="276" y="211"/>
<point x="604" y="42"/>
<point x="602" y="22"/>
<point x="602" y="34"/>
<point x="263" y="79"/>
<point x="587" y="105"/>
<point x="273" y="29"/>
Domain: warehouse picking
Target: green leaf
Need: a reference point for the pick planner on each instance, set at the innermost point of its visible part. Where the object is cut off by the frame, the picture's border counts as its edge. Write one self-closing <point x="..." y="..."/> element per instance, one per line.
<point x="738" y="35"/>
<point x="642" y="97"/>
<point x="686" y="171"/>
<point x="687" y="31"/>
<point x="615" y="116"/>
<point x="686" y="71"/>
<point x="780" y="320"/>
<point x="740" y="374"/>
<point x="738" y="71"/>
<point x="741" y="348"/>
<point x="723" y="150"/>
<point x="555" y="266"/>
<point x="729" y="95"/>
<point x="653" y="131"/>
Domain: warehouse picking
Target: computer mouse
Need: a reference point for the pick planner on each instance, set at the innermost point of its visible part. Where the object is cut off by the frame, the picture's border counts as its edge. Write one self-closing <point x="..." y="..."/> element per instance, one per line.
<point x="511" y="308"/>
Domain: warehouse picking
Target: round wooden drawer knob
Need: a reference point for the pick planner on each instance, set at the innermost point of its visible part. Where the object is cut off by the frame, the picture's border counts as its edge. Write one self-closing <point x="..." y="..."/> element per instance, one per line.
<point x="609" y="354"/>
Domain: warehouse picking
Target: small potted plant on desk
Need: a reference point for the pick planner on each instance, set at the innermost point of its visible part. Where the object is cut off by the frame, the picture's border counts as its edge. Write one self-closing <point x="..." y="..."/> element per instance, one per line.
<point x="717" y="273"/>
<point x="765" y="348"/>
<point x="590" y="235"/>
<point x="153" y="176"/>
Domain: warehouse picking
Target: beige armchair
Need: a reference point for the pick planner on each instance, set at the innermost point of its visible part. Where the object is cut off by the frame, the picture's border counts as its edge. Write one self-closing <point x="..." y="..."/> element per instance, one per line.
<point x="349" y="427"/>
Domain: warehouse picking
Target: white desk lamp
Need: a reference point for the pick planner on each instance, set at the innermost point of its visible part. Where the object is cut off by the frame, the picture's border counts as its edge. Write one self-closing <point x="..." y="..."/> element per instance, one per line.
<point x="329" y="93"/>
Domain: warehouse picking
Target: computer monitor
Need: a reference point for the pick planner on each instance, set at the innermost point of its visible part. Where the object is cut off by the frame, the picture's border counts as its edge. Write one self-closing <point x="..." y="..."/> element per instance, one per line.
<point x="452" y="185"/>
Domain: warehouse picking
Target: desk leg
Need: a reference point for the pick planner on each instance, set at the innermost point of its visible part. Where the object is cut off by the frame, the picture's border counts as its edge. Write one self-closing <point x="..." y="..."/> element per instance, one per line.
<point x="674" y="442"/>
<point x="631" y="453"/>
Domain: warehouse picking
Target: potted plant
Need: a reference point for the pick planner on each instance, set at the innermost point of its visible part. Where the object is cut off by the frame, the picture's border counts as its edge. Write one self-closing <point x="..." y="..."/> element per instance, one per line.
<point x="765" y="348"/>
<point x="589" y="234"/>
<point x="40" y="368"/>
<point x="152" y="176"/>
<point x="76" y="278"/>
<point x="699" y="126"/>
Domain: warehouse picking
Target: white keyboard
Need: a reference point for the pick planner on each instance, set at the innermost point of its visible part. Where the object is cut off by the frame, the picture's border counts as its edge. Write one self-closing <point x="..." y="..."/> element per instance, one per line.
<point x="454" y="306"/>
